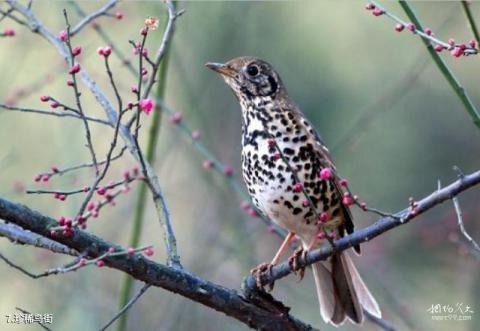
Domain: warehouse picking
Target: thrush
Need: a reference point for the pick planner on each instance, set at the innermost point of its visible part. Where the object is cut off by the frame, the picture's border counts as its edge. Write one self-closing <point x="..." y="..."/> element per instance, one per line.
<point x="292" y="180"/>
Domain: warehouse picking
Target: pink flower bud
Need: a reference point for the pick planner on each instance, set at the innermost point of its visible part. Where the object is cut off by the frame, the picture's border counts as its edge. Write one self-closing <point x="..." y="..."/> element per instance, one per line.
<point x="176" y="118"/>
<point x="196" y="135"/>
<point x="44" y="98"/>
<point x="81" y="262"/>
<point x="378" y="12"/>
<point x="399" y="27"/>
<point x="343" y="182"/>
<point x="306" y="203"/>
<point x="9" y="32"/>
<point x="321" y="235"/>
<point x="456" y="52"/>
<point x="323" y="217"/>
<point x="228" y="170"/>
<point x="70" y="83"/>
<point x="130" y="251"/>
<point x="75" y="69"/>
<point x="54" y="104"/>
<point x="63" y="36"/>
<point x="76" y="50"/>
<point x="101" y="190"/>
<point x="147" y="105"/>
<point x="411" y="27"/>
<point x="428" y="31"/>
<point x="297" y="187"/>
<point x="100" y="263"/>
<point x="148" y="251"/>
<point x="244" y="205"/>
<point x="119" y="15"/>
<point x="438" y="48"/>
<point x="107" y="50"/>
<point x="472" y="43"/>
<point x="251" y="212"/>
<point x="451" y="41"/>
<point x="347" y="199"/>
<point x="207" y="164"/>
<point x="325" y="174"/>
<point x="369" y="6"/>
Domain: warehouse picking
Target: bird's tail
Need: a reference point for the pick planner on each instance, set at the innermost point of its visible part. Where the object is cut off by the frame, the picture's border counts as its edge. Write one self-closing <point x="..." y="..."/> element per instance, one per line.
<point x="341" y="291"/>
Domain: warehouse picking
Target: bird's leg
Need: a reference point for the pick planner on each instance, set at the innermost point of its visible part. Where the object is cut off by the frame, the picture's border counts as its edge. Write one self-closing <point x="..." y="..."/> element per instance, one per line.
<point x="257" y="271"/>
<point x="293" y="261"/>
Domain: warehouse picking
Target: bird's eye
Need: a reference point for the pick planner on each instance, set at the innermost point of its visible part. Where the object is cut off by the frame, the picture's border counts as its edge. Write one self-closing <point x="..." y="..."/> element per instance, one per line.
<point x="252" y="70"/>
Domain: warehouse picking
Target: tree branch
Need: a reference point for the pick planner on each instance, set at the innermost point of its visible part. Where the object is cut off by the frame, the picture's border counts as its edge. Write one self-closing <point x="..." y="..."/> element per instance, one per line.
<point x="19" y="235"/>
<point x="370" y="232"/>
<point x="86" y="20"/>
<point x="270" y="315"/>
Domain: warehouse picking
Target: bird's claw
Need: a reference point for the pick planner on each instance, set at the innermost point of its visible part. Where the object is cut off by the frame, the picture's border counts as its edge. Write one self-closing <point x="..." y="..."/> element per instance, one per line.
<point x="293" y="262"/>
<point x="257" y="273"/>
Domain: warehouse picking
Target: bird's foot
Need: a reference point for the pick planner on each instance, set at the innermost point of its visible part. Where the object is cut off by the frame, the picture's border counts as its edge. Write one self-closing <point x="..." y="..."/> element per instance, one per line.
<point x="293" y="262"/>
<point x="257" y="273"/>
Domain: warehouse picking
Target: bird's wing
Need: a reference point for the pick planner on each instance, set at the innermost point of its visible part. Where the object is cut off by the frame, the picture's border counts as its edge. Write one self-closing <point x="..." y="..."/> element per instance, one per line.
<point x="326" y="160"/>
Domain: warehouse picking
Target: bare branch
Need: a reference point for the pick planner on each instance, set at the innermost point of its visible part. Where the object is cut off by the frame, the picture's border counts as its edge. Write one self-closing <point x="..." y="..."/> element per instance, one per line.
<point x="73" y="74"/>
<point x="19" y="235"/>
<point x="63" y="171"/>
<point x="167" y="36"/>
<point x="458" y="211"/>
<point x="86" y="20"/>
<point x="380" y="322"/>
<point x="57" y="114"/>
<point x="127" y="306"/>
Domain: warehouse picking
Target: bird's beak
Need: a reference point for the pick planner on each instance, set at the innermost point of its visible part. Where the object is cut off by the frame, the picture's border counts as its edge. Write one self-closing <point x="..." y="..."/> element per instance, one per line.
<point x="221" y="68"/>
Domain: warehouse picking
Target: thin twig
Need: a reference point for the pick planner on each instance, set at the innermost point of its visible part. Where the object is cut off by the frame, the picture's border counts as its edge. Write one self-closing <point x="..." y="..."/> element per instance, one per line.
<point x="79" y="262"/>
<point x="127" y="306"/>
<point x="469" y="238"/>
<point x="105" y="37"/>
<point x="57" y="114"/>
<point x="101" y="12"/>
<point x="63" y="171"/>
<point x="167" y="37"/>
<point x="447" y="73"/>
<point x="141" y="200"/>
<point x="471" y="20"/>
<point x="380" y="322"/>
<point x="77" y="95"/>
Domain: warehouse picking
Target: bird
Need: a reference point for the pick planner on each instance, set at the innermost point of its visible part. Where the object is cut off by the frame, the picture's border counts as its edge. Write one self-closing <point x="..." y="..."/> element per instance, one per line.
<point x="291" y="179"/>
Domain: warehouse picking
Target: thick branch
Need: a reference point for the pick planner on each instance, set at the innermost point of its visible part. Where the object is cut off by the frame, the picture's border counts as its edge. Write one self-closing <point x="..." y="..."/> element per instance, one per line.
<point x="270" y="316"/>
<point x="372" y="231"/>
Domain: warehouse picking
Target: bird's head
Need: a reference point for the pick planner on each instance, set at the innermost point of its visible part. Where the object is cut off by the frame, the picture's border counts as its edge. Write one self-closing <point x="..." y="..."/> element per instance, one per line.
<point x="249" y="77"/>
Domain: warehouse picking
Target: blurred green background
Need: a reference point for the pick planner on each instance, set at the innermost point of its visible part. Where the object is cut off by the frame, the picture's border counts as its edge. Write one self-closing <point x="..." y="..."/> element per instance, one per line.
<point x="391" y="121"/>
